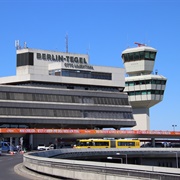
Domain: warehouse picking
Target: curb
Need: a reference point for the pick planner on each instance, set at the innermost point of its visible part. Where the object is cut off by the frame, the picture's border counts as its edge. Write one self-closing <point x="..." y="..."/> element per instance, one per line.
<point x="21" y="170"/>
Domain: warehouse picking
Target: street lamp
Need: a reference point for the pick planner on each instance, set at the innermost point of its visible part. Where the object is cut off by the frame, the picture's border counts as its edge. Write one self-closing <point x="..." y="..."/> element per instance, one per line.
<point x="176" y="159"/>
<point x="116" y="158"/>
<point x="174" y="126"/>
<point x="119" y="154"/>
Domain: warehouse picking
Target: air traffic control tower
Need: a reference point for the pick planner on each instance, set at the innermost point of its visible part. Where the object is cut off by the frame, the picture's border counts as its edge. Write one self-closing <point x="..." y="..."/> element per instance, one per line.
<point x="144" y="88"/>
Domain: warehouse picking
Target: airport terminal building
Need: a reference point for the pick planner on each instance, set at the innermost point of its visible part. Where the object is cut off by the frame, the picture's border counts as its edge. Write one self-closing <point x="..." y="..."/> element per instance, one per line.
<point x="62" y="90"/>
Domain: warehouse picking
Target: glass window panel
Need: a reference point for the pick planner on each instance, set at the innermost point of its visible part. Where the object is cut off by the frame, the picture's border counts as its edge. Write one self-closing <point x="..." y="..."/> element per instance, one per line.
<point x="143" y="92"/>
<point x="161" y="92"/>
<point x="126" y="57"/>
<point x="136" y="56"/>
<point x="131" y="83"/>
<point x="28" y="97"/>
<point x="147" y="81"/>
<point x="141" y="54"/>
<point x="147" y="55"/>
<point x="136" y="83"/>
<point x="2" y="95"/>
<point x="131" y="58"/>
<point x="65" y="73"/>
<point x="138" y="93"/>
<point x="158" y="82"/>
<point x="152" y="55"/>
<point x="163" y="82"/>
<point x="11" y="95"/>
<point x="131" y="93"/>
<point x="126" y="84"/>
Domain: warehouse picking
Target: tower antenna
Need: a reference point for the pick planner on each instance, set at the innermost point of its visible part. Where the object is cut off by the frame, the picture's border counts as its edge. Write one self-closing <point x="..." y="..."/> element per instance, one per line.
<point x="66" y="42"/>
<point x="17" y="44"/>
<point x="139" y="44"/>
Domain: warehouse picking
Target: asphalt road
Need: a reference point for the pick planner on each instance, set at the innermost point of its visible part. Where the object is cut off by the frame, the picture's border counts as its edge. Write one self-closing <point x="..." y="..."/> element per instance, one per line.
<point x="7" y="163"/>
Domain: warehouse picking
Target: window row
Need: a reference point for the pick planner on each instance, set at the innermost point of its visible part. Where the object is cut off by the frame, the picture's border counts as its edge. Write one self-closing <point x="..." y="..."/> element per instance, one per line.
<point x="40" y="112"/>
<point x="81" y="74"/>
<point x="65" y="86"/>
<point x="109" y="115"/>
<point x="154" y="92"/>
<point x="107" y="101"/>
<point x="151" y="81"/>
<point x="38" y="97"/>
<point x="64" y="113"/>
<point x="62" y="98"/>
<point x="93" y="144"/>
<point x="126" y="143"/>
<point x="142" y="55"/>
<point x="14" y="126"/>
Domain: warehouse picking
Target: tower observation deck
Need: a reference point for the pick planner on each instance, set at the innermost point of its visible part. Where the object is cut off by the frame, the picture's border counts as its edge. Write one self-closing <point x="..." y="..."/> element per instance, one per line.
<point x="144" y="88"/>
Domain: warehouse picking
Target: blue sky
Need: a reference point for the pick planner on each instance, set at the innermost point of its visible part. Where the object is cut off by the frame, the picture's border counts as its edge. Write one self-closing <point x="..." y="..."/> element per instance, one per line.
<point x="103" y="28"/>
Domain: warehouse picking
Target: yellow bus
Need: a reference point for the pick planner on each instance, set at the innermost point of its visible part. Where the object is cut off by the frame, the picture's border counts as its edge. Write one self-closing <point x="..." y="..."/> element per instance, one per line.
<point x="107" y="143"/>
<point x="92" y="143"/>
<point x="127" y="143"/>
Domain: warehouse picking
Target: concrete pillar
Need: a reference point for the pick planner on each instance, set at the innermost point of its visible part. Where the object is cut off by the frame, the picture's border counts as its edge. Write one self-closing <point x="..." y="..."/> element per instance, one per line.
<point x="153" y="142"/>
<point x="31" y="141"/>
<point x="16" y="141"/>
<point x="11" y="143"/>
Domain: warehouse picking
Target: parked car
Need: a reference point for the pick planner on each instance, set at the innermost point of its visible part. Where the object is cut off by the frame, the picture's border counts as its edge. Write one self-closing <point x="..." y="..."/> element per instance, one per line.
<point x="50" y="147"/>
<point x="42" y="147"/>
<point x="7" y="147"/>
<point x="157" y="144"/>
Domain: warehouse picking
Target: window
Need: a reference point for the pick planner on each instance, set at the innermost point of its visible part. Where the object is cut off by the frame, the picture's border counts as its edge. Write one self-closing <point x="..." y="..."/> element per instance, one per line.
<point x="148" y="81"/>
<point x="146" y="55"/>
<point x="125" y="57"/>
<point x="131" y="83"/>
<point x="126" y="143"/>
<point x="131" y="93"/>
<point x="65" y="73"/>
<point x="152" y="55"/>
<point x="138" y="92"/>
<point x="25" y="59"/>
<point x="141" y="54"/>
<point x="143" y="92"/>
<point x="137" y="82"/>
<point x="131" y="58"/>
<point x="136" y="56"/>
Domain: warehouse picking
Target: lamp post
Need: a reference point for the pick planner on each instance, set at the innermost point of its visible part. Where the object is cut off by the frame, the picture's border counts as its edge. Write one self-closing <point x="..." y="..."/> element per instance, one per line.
<point x="177" y="159"/>
<point x="119" y="154"/>
<point x="174" y="126"/>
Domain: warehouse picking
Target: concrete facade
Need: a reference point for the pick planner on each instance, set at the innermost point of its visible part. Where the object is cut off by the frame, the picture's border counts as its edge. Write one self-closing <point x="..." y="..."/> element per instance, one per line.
<point x="62" y="90"/>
